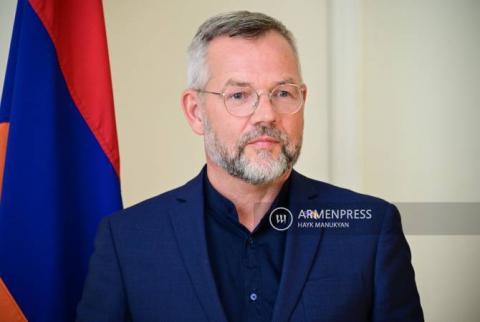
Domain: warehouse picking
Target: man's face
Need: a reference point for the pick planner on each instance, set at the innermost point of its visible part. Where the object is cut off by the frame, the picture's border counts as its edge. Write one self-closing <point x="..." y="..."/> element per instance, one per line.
<point x="261" y="147"/>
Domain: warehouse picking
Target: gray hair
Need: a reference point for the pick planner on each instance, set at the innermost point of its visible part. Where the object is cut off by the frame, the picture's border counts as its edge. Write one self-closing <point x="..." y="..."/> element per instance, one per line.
<point x="245" y="24"/>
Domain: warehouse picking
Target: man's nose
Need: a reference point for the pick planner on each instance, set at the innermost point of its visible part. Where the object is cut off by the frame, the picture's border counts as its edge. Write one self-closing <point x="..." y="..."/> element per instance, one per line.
<point x="265" y="111"/>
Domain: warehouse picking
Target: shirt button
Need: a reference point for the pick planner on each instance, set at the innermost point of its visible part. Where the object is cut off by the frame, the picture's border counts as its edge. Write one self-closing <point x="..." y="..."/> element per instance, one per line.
<point x="250" y="241"/>
<point x="253" y="297"/>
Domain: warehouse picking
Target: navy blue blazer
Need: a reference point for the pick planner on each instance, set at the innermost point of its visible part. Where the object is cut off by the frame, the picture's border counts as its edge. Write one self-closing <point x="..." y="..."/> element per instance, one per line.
<point x="151" y="264"/>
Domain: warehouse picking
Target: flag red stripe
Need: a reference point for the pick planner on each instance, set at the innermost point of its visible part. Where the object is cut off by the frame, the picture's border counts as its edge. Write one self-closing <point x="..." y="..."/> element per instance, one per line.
<point x="78" y="33"/>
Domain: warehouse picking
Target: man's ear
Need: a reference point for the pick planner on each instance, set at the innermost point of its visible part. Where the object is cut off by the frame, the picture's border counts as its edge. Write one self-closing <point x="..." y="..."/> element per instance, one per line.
<point x="192" y="110"/>
<point x="304" y="95"/>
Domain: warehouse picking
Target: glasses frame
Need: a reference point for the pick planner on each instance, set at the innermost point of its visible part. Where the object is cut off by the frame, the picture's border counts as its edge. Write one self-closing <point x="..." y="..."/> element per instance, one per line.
<point x="300" y="87"/>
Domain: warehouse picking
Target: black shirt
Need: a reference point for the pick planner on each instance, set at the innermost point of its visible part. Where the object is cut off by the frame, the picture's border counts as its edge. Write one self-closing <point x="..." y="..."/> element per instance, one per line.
<point x="247" y="266"/>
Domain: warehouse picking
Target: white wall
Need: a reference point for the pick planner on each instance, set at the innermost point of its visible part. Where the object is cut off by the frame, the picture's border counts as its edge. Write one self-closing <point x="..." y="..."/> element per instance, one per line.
<point x="421" y="103"/>
<point x="403" y="75"/>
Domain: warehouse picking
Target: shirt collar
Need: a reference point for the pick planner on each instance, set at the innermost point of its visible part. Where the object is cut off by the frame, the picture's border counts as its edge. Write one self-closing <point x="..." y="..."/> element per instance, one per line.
<point x="222" y="206"/>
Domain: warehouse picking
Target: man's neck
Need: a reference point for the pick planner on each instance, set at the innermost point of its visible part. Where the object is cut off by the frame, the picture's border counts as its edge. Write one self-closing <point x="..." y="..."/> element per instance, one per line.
<point x="251" y="201"/>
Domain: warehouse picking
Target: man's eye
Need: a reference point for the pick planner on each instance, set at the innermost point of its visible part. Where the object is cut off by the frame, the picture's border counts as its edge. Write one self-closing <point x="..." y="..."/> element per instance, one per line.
<point x="238" y="96"/>
<point x="282" y="94"/>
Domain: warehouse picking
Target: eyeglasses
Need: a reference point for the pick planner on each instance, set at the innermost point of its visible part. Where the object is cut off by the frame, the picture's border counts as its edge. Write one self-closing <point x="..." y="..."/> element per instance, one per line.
<point x="242" y="100"/>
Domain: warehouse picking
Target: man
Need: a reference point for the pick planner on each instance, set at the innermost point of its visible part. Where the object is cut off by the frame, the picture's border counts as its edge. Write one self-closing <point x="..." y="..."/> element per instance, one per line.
<point x="229" y="245"/>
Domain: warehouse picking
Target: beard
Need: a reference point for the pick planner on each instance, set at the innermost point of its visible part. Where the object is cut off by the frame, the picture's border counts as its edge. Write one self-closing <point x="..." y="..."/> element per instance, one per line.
<point x="264" y="167"/>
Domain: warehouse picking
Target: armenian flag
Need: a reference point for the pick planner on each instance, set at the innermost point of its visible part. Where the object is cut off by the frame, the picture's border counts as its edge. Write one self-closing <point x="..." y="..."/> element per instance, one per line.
<point x="59" y="159"/>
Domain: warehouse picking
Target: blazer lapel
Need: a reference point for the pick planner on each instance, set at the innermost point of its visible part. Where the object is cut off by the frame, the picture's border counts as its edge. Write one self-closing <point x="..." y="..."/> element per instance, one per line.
<point x="300" y="250"/>
<point x="187" y="217"/>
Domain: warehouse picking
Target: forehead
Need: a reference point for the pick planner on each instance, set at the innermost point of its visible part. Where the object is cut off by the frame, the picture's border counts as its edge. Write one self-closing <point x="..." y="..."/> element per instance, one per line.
<point x="266" y="59"/>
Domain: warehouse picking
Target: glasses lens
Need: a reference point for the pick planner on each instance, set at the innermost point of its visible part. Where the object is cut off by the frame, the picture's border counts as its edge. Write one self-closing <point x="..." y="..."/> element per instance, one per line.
<point x="287" y="98"/>
<point x="240" y="100"/>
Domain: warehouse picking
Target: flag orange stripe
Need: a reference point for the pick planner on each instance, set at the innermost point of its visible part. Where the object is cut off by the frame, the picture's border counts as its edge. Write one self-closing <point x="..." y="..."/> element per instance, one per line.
<point x="9" y="310"/>
<point x="3" y="148"/>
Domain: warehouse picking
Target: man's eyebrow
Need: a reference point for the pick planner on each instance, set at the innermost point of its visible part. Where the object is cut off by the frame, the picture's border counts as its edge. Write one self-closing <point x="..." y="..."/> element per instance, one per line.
<point x="237" y="83"/>
<point x="288" y="80"/>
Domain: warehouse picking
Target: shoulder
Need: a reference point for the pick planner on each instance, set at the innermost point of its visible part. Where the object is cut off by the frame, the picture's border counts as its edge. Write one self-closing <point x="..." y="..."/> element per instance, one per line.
<point x="332" y="193"/>
<point x="343" y="203"/>
<point x="148" y="213"/>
